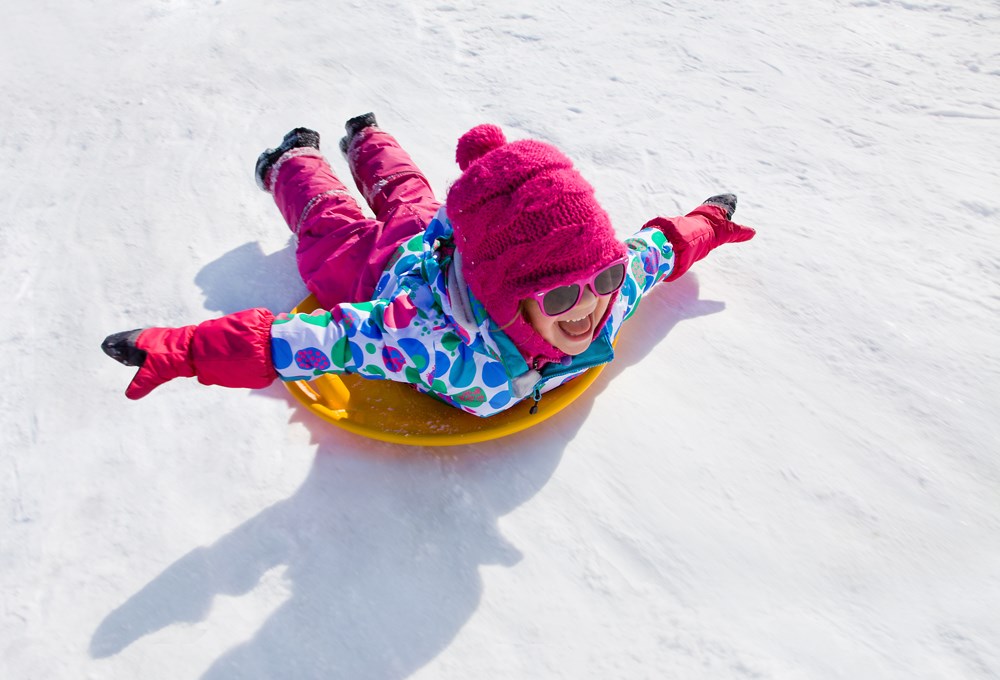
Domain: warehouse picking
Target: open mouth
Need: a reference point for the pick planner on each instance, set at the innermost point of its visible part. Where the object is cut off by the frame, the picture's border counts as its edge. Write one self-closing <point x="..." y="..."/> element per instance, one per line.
<point x="577" y="328"/>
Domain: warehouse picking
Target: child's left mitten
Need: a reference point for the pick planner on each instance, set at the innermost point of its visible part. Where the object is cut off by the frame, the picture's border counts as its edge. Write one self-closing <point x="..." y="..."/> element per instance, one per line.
<point x="233" y="351"/>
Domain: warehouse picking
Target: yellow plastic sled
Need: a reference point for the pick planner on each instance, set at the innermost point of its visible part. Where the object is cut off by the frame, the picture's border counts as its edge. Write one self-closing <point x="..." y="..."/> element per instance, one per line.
<point x="395" y="412"/>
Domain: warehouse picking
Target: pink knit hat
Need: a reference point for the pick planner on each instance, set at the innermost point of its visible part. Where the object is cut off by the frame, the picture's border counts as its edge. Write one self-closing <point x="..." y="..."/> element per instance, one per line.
<point x="525" y="220"/>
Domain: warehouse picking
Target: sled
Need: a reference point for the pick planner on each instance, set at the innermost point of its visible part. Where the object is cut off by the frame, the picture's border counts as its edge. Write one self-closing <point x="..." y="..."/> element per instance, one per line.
<point x="395" y="412"/>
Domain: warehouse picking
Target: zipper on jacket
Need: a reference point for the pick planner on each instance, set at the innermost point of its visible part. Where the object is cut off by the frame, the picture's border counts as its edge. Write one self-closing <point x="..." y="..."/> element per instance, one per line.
<point x="555" y="370"/>
<point x="537" y="396"/>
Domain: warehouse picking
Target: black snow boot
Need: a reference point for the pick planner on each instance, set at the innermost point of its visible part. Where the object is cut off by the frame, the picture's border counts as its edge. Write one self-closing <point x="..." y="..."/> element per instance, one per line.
<point x="725" y="201"/>
<point x="354" y="126"/>
<point x="299" y="137"/>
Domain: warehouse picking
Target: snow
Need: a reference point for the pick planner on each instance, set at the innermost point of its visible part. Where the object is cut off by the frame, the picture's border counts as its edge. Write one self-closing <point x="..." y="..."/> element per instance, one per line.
<point x="791" y="470"/>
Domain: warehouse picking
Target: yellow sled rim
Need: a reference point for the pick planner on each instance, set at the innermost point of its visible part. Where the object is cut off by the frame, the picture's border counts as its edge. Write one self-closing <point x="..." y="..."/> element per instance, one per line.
<point x="395" y="412"/>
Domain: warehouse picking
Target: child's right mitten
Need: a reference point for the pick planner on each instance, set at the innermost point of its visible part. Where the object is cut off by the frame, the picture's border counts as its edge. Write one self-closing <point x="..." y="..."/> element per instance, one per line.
<point x="233" y="351"/>
<point x="161" y="354"/>
<point x="701" y="231"/>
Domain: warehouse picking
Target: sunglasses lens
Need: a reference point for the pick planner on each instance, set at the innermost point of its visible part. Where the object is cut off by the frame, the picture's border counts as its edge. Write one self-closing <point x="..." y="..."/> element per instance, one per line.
<point x="561" y="299"/>
<point x="610" y="280"/>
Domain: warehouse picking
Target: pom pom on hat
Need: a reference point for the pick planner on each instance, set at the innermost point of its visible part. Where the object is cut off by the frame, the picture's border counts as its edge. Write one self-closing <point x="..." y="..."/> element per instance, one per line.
<point x="478" y="142"/>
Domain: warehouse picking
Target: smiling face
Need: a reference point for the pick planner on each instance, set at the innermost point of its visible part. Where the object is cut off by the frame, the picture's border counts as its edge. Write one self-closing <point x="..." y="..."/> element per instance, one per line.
<point x="572" y="331"/>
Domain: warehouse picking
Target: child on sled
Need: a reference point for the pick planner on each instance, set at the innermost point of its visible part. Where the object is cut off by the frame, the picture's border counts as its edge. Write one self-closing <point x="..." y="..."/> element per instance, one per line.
<point x="516" y="284"/>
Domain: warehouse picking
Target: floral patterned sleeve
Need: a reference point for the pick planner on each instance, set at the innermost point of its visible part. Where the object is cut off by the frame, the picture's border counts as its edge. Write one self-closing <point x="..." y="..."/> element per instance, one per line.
<point x="377" y="339"/>
<point x="392" y="339"/>
<point x="651" y="259"/>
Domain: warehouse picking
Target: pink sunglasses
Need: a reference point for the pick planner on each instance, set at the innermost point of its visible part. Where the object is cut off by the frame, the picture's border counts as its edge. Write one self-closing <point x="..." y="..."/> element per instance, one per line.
<point x="561" y="299"/>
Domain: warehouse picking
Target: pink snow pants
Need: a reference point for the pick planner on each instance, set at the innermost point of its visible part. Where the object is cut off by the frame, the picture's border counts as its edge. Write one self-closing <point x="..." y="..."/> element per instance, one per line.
<point x="341" y="253"/>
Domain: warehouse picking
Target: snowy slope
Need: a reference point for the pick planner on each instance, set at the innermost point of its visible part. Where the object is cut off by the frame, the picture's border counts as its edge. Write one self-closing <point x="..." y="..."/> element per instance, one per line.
<point x="791" y="471"/>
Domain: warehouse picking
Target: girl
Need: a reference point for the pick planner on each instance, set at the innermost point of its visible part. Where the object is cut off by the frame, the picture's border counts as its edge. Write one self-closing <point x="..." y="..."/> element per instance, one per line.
<point x="514" y="286"/>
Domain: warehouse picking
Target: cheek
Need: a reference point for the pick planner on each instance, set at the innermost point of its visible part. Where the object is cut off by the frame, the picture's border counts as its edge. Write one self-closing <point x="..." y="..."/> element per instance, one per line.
<point x="542" y="324"/>
<point x="602" y="307"/>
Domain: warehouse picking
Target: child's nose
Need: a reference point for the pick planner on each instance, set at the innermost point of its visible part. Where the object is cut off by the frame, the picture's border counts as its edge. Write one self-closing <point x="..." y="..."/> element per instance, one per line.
<point x="587" y="295"/>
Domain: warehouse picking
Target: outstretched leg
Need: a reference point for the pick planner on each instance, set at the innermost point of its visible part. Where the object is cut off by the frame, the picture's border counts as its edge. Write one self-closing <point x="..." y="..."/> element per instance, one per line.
<point x="386" y="175"/>
<point x="334" y="235"/>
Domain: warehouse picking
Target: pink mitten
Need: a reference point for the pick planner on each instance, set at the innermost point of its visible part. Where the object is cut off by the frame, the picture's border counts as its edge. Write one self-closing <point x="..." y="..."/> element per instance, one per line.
<point x="700" y="231"/>
<point x="233" y="351"/>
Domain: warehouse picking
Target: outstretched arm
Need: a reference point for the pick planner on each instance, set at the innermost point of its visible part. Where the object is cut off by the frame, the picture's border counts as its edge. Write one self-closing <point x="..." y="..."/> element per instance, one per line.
<point x="233" y="351"/>
<point x="702" y="230"/>
<point x="384" y="338"/>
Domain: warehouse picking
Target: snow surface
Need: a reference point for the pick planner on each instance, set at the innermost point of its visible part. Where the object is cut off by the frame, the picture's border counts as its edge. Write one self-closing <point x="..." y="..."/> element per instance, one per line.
<point x="791" y="471"/>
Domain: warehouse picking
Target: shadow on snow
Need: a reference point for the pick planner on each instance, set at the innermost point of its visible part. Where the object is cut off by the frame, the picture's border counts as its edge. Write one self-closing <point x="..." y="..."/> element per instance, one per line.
<point x="381" y="544"/>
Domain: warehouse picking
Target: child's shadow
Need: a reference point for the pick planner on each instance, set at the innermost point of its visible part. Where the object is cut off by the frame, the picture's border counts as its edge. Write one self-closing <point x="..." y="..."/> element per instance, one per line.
<point x="381" y="545"/>
<point x="380" y="550"/>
